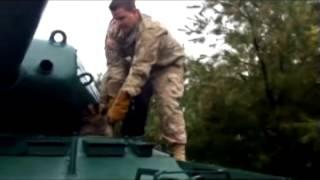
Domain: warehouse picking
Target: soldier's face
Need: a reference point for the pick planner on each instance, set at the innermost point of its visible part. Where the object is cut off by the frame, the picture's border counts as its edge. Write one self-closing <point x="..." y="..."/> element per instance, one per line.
<point x="126" y="19"/>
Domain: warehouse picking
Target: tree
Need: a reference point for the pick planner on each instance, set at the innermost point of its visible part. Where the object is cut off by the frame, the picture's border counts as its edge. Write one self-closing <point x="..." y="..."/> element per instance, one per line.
<point x="265" y="96"/>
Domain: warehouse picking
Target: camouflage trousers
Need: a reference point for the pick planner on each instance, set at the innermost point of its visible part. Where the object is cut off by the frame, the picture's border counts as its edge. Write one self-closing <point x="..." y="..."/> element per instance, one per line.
<point x="168" y="89"/>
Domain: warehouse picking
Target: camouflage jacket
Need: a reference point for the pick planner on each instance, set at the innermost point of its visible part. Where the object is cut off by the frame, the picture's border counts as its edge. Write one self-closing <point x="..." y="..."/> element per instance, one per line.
<point x="151" y="46"/>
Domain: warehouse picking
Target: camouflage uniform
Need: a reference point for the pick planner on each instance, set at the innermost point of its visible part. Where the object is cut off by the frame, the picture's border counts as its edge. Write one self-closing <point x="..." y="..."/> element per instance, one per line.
<point x="157" y="57"/>
<point x="117" y="69"/>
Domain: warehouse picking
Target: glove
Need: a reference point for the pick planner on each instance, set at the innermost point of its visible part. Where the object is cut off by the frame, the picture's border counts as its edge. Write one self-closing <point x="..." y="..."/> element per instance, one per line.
<point x="119" y="108"/>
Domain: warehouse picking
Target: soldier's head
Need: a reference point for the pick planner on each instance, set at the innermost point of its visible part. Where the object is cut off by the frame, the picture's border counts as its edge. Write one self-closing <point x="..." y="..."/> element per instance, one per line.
<point x="125" y="13"/>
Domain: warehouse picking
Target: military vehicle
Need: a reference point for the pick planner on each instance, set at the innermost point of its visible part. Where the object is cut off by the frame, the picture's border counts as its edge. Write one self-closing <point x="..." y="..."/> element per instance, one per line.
<point x="44" y="91"/>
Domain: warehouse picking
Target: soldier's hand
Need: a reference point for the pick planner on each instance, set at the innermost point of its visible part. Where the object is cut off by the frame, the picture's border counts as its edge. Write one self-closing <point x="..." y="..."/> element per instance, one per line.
<point x="119" y="108"/>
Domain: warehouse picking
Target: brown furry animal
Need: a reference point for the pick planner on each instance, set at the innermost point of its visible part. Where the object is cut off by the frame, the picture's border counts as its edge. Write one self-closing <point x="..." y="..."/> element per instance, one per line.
<point x="96" y="122"/>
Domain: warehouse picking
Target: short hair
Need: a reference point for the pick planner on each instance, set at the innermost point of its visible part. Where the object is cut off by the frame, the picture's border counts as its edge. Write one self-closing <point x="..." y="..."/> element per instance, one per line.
<point x="126" y="4"/>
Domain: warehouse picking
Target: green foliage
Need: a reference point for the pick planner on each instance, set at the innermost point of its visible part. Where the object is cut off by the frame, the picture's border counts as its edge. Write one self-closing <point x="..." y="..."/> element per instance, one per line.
<point x="254" y="105"/>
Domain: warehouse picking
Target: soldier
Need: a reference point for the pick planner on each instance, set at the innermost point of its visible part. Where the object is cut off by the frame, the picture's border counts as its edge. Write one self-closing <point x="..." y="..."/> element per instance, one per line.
<point x="141" y="51"/>
<point x="113" y="79"/>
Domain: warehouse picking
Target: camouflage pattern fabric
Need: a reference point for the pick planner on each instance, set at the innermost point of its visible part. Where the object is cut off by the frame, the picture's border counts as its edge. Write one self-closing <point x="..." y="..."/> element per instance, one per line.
<point x="157" y="57"/>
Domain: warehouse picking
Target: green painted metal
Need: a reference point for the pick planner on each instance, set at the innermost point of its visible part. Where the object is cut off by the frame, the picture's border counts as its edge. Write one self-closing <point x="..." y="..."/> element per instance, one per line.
<point x="76" y="163"/>
<point x="40" y="166"/>
<point x="18" y="22"/>
<point x="50" y="91"/>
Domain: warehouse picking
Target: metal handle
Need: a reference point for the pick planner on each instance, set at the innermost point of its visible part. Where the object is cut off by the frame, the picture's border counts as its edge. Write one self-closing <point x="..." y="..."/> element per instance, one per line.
<point x="91" y="79"/>
<point x="64" y="37"/>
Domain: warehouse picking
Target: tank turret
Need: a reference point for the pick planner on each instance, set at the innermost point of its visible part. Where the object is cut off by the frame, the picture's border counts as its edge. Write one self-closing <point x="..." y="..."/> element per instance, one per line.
<point x="43" y="87"/>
